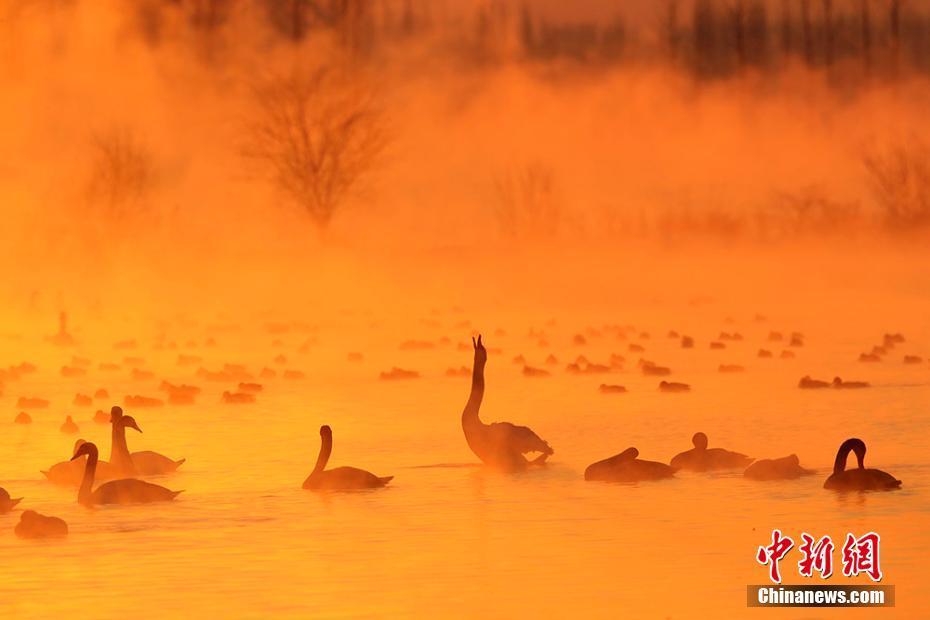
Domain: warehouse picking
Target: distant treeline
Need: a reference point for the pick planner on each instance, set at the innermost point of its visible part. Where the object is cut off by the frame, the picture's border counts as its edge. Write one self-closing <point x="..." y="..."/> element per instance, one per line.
<point x="710" y="38"/>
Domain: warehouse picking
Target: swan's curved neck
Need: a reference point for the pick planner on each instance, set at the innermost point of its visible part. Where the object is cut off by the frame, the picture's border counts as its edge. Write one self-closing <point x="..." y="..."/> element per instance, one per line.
<point x="470" y="414"/>
<point x="326" y="449"/>
<point x="87" y="484"/>
<point x="119" y="449"/>
<point x="850" y="445"/>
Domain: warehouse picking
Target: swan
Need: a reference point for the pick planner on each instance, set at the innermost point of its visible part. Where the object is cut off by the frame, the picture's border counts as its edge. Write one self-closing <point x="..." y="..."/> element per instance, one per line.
<point x="700" y="458"/>
<point x="69" y="427"/>
<point x="120" y="458"/>
<point x="340" y="478"/>
<point x="70" y="473"/>
<point x="6" y="502"/>
<point x="127" y="491"/>
<point x="500" y="444"/>
<point x="145" y="462"/>
<point x="625" y="467"/>
<point x="33" y="525"/>
<point x="859" y="479"/>
<point x="785" y="468"/>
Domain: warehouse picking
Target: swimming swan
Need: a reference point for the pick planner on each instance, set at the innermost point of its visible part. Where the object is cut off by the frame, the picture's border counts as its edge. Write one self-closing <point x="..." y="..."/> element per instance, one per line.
<point x="6" y="502"/>
<point x="703" y="459"/>
<point x="146" y="462"/>
<point x="625" y="467"/>
<point x="128" y="491"/>
<point x="340" y="478"/>
<point x="859" y="479"/>
<point x="500" y="444"/>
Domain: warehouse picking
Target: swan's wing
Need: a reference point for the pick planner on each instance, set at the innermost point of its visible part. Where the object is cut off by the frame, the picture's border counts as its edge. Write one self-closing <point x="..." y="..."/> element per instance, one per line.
<point x="520" y="438"/>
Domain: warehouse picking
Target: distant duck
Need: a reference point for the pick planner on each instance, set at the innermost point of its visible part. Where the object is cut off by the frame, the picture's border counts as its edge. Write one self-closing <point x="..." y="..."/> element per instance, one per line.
<point x="6" y="502"/>
<point x="806" y="383"/>
<point x="859" y="479"/>
<point x="625" y="467"/>
<point x="129" y="491"/>
<point x="238" y="398"/>
<point x="101" y="417"/>
<point x="69" y="427"/>
<point x="702" y="458"/>
<point x="674" y="387"/>
<point x="23" y="418"/>
<point x="608" y="388"/>
<point x="785" y="468"/>
<point x="340" y="478"/>
<point x="33" y="526"/>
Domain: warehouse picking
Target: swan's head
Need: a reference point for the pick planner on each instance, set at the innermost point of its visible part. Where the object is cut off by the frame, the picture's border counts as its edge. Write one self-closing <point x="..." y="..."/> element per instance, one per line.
<point x="700" y="441"/>
<point x="78" y="444"/>
<point x="28" y="516"/>
<point x="116" y="413"/>
<point x="129" y="422"/>
<point x="481" y="354"/>
<point x="86" y="448"/>
<point x="326" y="432"/>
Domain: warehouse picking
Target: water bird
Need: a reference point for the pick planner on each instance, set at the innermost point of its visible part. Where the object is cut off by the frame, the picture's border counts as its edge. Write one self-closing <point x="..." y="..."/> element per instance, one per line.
<point x="33" y="526"/>
<point x="7" y="503"/>
<point x="23" y="418"/>
<point x="396" y="374"/>
<point x="500" y="444"/>
<point x="839" y="384"/>
<point x="147" y="462"/>
<point x="859" y="479"/>
<point x="673" y="387"/>
<point x="607" y="388"/>
<point x="806" y="383"/>
<point x="69" y="473"/>
<point x="69" y="427"/>
<point x="785" y="468"/>
<point x="339" y="478"/>
<point x="238" y="398"/>
<point x="126" y="491"/>
<point x="625" y="467"/>
<point x="702" y="458"/>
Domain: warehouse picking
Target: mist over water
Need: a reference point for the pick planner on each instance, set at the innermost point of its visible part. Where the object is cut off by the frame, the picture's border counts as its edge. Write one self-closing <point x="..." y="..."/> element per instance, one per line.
<point x="562" y="203"/>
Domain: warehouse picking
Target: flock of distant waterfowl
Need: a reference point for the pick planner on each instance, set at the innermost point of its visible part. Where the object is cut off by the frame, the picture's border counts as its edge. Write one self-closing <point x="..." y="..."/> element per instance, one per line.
<point x="501" y="445"/>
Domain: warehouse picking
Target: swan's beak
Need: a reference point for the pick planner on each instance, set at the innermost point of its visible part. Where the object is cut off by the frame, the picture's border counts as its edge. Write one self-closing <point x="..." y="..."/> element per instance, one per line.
<point x="135" y="426"/>
<point x="76" y="455"/>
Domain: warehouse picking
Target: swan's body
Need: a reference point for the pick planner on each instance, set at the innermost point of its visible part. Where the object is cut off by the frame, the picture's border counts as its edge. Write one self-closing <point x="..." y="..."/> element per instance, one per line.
<point x="785" y="468"/>
<point x="339" y="478"/>
<point x="500" y="444"/>
<point x="7" y="503"/>
<point x="143" y="463"/>
<point x="127" y="491"/>
<point x="859" y="479"/>
<point x="33" y="525"/>
<point x="702" y="458"/>
<point x="625" y="467"/>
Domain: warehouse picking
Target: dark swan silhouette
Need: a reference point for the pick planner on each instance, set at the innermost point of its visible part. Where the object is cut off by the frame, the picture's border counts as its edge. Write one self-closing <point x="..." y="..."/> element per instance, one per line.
<point x="128" y="491"/>
<point x="785" y="468"/>
<point x="625" y="467"/>
<point x="144" y="462"/>
<point x="339" y="478"/>
<point x="6" y="502"/>
<point x="702" y="458"/>
<point x="33" y="525"/>
<point x="500" y="444"/>
<point x="859" y="479"/>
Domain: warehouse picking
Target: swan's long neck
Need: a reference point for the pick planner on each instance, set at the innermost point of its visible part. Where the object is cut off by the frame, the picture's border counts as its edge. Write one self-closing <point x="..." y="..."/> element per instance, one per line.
<point x="87" y="484"/>
<point x="470" y="414"/>
<point x="119" y="449"/>
<point x="850" y="445"/>
<point x="326" y="449"/>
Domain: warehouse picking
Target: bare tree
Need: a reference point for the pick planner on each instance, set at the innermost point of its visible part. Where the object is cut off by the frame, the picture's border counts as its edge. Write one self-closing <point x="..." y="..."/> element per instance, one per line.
<point x="526" y="201"/>
<point x="899" y="178"/>
<point x="317" y="136"/>
<point x="120" y="175"/>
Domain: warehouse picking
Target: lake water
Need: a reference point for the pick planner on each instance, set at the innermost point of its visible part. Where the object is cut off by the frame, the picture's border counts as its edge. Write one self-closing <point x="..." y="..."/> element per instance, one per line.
<point x="450" y="539"/>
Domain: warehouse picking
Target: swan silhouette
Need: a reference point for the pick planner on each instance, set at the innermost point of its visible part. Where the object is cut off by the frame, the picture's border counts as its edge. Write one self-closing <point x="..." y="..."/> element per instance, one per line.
<point x="625" y="467"/>
<point x="127" y="491"/>
<point x="785" y="468"/>
<point x="33" y="525"/>
<point x="6" y="502"/>
<point x="702" y="458"/>
<point x="500" y="444"/>
<point x="120" y="458"/>
<point x="339" y="478"/>
<point x="859" y="479"/>
<point x="144" y="462"/>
